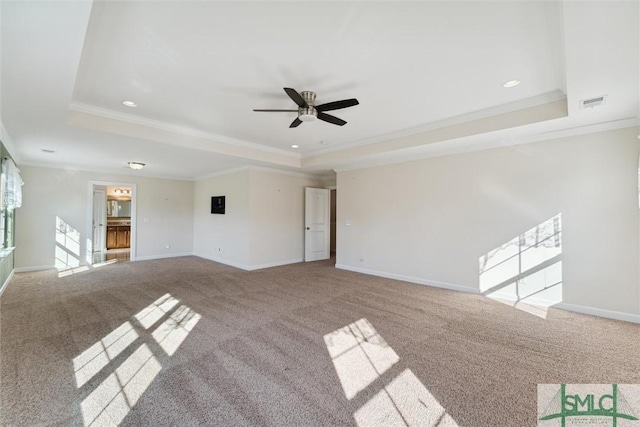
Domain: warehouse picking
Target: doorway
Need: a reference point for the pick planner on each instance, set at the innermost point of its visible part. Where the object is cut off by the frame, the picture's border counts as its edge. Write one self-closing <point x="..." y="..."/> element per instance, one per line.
<point x="320" y="223"/>
<point x="317" y="224"/>
<point x="112" y="222"/>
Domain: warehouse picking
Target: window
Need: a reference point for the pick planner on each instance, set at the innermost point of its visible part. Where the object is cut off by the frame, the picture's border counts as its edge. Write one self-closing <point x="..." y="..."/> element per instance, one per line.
<point x="10" y="199"/>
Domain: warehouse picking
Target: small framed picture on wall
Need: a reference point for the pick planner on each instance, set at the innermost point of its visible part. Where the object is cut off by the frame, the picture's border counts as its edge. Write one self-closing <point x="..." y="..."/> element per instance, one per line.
<point x="217" y="205"/>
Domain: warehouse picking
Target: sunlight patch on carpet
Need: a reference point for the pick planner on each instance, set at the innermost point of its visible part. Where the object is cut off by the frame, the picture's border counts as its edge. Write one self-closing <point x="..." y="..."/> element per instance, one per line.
<point x="359" y="355"/>
<point x="70" y="271"/>
<point x="173" y="331"/>
<point x="102" y="264"/>
<point x="112" y="400"/>
<point x="149" y="315"/>
<point x="96" y="357"/>
<point x="405" y="401"/>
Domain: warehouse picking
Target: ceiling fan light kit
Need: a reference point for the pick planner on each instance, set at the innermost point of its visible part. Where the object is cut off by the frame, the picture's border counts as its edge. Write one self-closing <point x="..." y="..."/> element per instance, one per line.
<point x="308" y="111"/>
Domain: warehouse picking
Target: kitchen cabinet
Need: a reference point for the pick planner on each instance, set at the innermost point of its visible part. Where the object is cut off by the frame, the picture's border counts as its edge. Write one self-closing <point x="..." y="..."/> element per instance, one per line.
<point x="118" y="236"/>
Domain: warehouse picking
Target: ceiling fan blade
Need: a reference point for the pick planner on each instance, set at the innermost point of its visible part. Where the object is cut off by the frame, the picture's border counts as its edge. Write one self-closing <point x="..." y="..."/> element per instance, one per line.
<point x="274" y="111"/>
<point x="331" y="119"/>
<point x="297" y="98"/>
<point x="336" y="105"/>
<point x="295" y="123"/>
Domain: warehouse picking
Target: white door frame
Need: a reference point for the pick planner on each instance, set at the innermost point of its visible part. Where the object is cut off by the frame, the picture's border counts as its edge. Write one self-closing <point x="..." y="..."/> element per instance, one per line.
<point x="102" y="219"/>
<point x="134" y="217"/>
<point x="313" y="228"/>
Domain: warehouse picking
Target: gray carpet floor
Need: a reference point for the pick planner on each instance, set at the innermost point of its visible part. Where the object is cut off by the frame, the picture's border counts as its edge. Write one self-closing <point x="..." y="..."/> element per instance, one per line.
<point x="190" y="342"/>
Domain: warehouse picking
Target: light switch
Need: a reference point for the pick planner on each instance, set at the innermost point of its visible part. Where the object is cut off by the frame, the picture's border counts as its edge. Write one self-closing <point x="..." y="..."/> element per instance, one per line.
<point x="348" y="222"/>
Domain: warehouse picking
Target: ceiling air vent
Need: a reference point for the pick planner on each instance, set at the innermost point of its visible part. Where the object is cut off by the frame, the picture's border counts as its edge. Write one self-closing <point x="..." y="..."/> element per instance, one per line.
<point x="593" y="102"/>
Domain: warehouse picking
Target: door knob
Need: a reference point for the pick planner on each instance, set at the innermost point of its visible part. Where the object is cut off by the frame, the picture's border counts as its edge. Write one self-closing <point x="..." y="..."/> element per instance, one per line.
<point x="308" y="228"/>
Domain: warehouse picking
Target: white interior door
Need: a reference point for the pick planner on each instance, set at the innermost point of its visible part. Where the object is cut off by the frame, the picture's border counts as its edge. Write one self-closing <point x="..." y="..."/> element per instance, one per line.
<point x="99" y="220"/>
<point x="316" y="223"/>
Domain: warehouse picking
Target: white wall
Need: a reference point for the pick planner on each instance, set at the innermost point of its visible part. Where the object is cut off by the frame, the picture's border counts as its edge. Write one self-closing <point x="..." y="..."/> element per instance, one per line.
<point x="277" y="217"/>
<point x="430" y="220"/>
<point x="49" y="193"/>
<point x="263" y="224"/>
<point x="223" y="238"/>
<point x="168" y="205"/>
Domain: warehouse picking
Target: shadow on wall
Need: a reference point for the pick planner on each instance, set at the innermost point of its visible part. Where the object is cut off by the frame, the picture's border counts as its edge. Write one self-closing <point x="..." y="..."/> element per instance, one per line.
<point x="526" y="271"/>
<point x="67" y="251"/>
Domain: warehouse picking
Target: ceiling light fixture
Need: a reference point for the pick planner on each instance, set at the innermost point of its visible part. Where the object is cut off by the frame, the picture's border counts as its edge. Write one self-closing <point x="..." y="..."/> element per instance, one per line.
<point x="136" y="165"/>
<point x="511" y="83"/>
<point x="307" y="114"/>
<point x="295" y="146"/>
<point x="128" y="103"/>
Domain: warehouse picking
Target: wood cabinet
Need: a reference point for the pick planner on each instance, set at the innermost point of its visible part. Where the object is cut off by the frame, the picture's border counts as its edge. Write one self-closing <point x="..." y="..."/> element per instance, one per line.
<point x="112" y="236"/>
<point x="118" y="236"/>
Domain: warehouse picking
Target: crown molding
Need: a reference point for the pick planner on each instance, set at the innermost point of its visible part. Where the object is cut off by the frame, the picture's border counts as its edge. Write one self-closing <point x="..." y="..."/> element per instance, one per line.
<point x="261" y="169"/>
<point x="490" y="141"/>
<point x="106" y="171"/>
<point x="222" y="173"/>
<point x="522" y="104"/>
<point x="170" y="127"/>
<point x="8" y="143"/>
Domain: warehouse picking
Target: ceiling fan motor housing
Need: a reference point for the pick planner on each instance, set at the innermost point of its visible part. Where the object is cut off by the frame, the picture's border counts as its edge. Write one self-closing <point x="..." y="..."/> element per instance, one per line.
<point x="308" y="114"/>
<point x="308" y="111"/>
<point x="309" y="97"/>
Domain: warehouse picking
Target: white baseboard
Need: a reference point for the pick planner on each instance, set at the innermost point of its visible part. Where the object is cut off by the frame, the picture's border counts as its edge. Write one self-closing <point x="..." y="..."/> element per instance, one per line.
<point x="275" y="264"/>
<point x="140" y="258"/>
<point x="6" y="282"/>
<point x="249" y="267"/>
<point x="224" y="261"/>
<point x="609" y="314"/>
<point x="506" y="296"/>
<point x="417" y="280"/>
<point x="582" y="309"/>
<point x="34" y="268"/>
<point x="162" y="256"/>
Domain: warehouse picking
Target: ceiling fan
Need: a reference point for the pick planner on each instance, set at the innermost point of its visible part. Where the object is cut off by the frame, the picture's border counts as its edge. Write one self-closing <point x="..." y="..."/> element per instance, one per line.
<point x="309" y="111"/>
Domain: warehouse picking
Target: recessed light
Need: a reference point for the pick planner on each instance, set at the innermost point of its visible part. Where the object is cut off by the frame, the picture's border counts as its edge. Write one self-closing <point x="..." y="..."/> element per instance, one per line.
<point x="48" y="151"/>
<point x="295" y="146"/>
<point x="128" y="103"/>
<point x="511" y="83"/>
<point x="136" y="165"/>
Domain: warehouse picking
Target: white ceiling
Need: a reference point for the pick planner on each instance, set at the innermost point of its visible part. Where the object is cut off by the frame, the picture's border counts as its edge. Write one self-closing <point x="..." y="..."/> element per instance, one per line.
<point x="428" y="76"/>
